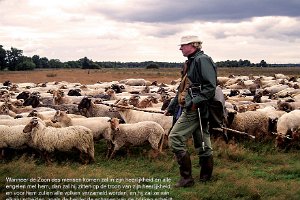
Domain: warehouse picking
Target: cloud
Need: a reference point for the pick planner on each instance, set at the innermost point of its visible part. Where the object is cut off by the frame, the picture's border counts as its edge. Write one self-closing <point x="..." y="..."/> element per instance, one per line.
<point x="133" y="30"/>
<point x="152" y="11"/>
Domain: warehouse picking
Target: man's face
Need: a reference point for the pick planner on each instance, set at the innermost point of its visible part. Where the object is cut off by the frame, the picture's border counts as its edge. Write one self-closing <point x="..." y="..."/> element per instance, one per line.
<point x="187" y="49"/>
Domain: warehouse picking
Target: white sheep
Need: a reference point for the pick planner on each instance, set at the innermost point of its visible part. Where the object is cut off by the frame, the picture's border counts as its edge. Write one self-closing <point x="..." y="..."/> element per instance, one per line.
<point x="134" y="116"/>
<point x="286" y="124"/>
<point x="96" y="124"/>
<point x="135" y="134"/>
<point x="271" y="112"/>
<point x="90" y="109"/>
<point x="13" y="122"/>
<point x="13" y="137"/>
<point x="49" y="139"/>
<point x="252" y="122"/>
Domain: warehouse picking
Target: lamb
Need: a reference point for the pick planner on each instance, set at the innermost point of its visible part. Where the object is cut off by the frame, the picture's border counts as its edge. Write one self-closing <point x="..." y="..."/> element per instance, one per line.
<point x="13" y="137"/>
<point x="135" y="134"/>
<point x="96" y="124"/>
<point x="49" y="139"/>
<point x="287" y="122"/>
<point x="252" y="122"/>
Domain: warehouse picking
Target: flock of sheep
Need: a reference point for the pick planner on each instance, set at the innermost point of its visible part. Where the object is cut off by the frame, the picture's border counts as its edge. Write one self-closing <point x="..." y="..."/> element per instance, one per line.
<point x="61" y="116"/>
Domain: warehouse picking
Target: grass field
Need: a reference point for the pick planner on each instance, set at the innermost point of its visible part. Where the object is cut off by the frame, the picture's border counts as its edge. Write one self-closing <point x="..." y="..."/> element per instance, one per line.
<point x="244" y="170"/>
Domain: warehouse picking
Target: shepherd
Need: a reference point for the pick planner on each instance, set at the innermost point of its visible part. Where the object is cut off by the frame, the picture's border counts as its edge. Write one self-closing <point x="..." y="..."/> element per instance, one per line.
<point x="196" y="90"/>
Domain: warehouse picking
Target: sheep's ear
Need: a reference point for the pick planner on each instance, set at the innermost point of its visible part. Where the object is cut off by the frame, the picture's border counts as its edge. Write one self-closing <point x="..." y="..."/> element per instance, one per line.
<point x="34" y="121"/>
<point x="122" y="121"/>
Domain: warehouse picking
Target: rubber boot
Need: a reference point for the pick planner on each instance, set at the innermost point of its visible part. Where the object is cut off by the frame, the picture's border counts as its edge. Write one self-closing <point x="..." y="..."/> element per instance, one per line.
<point x="207" y="164"/>
<point x="185" y="168"/>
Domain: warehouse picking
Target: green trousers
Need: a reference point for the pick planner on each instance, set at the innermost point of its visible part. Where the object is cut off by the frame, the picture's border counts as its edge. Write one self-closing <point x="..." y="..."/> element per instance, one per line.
<point x="188" y="126"/>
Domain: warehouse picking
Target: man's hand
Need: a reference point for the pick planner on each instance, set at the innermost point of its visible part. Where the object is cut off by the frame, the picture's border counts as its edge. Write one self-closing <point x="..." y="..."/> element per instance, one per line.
<point x="167" y="113"/>
<point x="194" y="107"/>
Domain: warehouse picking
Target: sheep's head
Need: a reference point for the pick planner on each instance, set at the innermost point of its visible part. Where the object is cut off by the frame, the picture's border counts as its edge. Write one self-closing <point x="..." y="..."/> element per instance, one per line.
<point x="33" y="123"/>
<point x="85" y="103"/>
<point x="122" y="104"/>
<point x="4" y="109"/>
<point x="134" y="100"/>
<point x="33" y="100"/>
<point x="285" y="106"/>
<point x="110" y="92"/>
<point x="273" y="124"/>
<point x="58" y="116"/>
<point x="33" y="113"/>
<point x="231" y="115"/>
<point x="114" y="124"/>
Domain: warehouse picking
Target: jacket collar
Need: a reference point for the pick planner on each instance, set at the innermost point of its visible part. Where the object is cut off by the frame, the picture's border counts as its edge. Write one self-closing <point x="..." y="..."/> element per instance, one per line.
<point x="193" y="55"/>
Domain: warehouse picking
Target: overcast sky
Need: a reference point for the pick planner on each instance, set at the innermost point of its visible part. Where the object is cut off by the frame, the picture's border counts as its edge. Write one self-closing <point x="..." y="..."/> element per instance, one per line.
<point x="150" y="30"/>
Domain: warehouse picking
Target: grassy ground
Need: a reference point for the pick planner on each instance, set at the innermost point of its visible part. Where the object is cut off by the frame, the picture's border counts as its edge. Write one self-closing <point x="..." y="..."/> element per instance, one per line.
<point x="242" y="171"/>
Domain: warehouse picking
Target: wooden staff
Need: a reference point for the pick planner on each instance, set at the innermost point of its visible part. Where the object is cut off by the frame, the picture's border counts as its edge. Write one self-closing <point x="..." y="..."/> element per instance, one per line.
<point x="132" y="108"/>
<point x="234" y="131"/>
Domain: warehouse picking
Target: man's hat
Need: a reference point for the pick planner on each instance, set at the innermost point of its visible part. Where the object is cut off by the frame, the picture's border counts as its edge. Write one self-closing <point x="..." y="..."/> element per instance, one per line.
<point x="189" y="39"/>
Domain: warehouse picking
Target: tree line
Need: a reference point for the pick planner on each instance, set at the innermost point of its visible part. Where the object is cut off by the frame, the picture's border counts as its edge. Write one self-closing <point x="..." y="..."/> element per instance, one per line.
<point x="14" y="60"/>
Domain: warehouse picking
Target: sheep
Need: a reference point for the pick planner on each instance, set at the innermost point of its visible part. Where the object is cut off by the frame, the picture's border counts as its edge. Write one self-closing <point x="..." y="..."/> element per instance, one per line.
<point x="252" y="122"/>
<point x="275" y="88"/>
<point x="96" y="124"/>
<point x="18" y="110"/>
<point x="134" y="116"/>
<point x="49" y="139"/>
<point x="13" y="137"/>
<point x="60" y="98"/>
<point x="13" y="122"/>
<point x="286" y="123"/>
<point x="135" y="82"/>
<point x="288" y="106"/>
<point x="89" y="109"/>
<point x="135" y="134"/>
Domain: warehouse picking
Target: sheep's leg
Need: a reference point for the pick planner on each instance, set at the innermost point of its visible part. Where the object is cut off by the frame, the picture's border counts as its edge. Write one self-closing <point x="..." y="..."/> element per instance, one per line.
<point x="91" y="152"/>
<point x="2" y="154"/>
<point x="112" y="154"/>
<point x="161" y="143"/>
<point x="116" y="148"/>
<point x="82" y="158"/>
<point x="46" y="157"/>
<point x="109" y="149"/>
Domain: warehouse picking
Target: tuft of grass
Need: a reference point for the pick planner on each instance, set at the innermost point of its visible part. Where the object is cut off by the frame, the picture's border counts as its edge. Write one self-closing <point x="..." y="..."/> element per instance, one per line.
<point x="51" y="75"/>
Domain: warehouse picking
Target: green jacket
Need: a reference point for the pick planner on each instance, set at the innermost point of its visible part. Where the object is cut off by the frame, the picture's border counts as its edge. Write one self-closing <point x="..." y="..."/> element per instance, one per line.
<point x="201" y="71"/>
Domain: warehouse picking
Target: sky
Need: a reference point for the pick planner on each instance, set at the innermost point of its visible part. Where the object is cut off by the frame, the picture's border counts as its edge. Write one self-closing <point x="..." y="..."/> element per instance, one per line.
<point x="150" y="30"/>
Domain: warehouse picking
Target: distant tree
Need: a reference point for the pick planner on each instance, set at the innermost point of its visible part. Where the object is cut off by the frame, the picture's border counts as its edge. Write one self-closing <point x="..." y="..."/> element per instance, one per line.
<point x="44" y="62"/>
<point x="263" y="64"/>
<point x="152" y="66"/>
<point x="14" y="57"/>
<point x="72" y="64"/>
<point x="26" y="64"/>
<point x="85" y="63"/>
<point x="89" y="64"/>
<point x="36" y="60"/>
<point x="2" y="58"/>
<point x="55" y="63"/>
